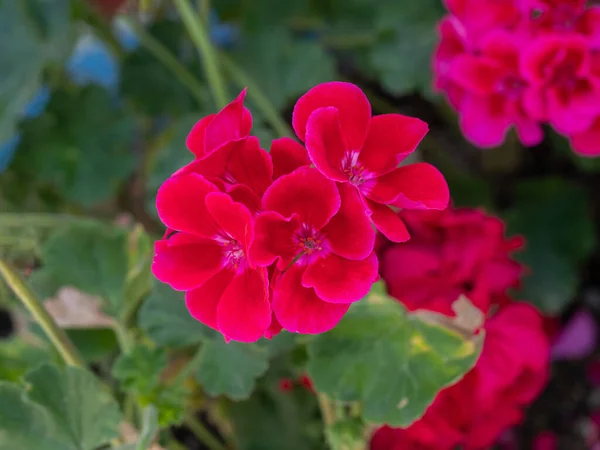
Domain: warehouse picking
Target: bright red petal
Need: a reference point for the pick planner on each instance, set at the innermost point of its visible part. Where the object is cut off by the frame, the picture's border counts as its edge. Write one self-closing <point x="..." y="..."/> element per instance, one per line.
<point x="299" y="310"/>
<point x="350" y="233"/>
<point x="274" y="329"/>
<point x="352" y="104"/>
<point x="388" y="222"/>
<point x="250" y="165"/>
<point x="247" y="197"/>
<point x="195" y="140"/>
<point x="232" y="218"/>
<point x="324" y="143"/>
<point x="244" y="312"/>
<point x="477" y="74"/>
<point x="339" y="280"/>
<point x="421" y="186"/>
<point x="180" y="204"/>
<point x="306" y="193"/>
<point x="202" y="302"/>
<point x="273" y="239"/>
<point x="287" y="155"/>
<point x="186" y="265"/>
<point x="390" y="139"/>
<point x="231" y="123"/>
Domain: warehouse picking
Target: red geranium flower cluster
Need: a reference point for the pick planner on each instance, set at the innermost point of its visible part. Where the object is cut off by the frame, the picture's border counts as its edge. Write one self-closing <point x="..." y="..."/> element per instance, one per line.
<point x="464" y="251"/>
<point x="261" y="241"/>
<point x="522" y="63"/>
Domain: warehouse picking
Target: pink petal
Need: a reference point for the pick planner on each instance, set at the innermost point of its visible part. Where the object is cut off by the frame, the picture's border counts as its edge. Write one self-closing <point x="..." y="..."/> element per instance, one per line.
<point x="299" y="310"/>
<point x="195" y="140"/>
<point x="187" y="265"/>
<point x="476" y="74"/>
<point x="202" y="302"/>
<point x="339" y="280"/>
<point x="587" y="143"/>
<point x="577" y="339"/>
<point x="350" y="233"/>
<point x="352" y="104"/>
<point x="233" y="219"/>
<point x="287" y="155"/>
<point x="244" y="312"/>
<point x="565" y="117"/>
<point x="247" y="197"/>
<point x="390" y="139"/>
<point x="180" y="204"/>
<point x="306" y="193"/>
<point x="274" y="329"/>
<point x="483" y="120"/>
<point x="251" y="166"/>
<point x="530" y="132"/>
<point x="388" y="222"/>
<point x="416" y="186"/>
<point x="231" y="123"/>
<point x="274" y="240"/>
<point x="324" y="143"/>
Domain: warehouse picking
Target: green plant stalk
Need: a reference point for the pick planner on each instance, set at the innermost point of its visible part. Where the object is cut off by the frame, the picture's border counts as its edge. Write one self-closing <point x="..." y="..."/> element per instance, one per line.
<point x="327" y="410"/>
<point x="33" y="304"/>
<point x="257" y="95"/>
<point x="203" y="434"/>
<point x="201" y="40"/>
<point x="164" y="55"/>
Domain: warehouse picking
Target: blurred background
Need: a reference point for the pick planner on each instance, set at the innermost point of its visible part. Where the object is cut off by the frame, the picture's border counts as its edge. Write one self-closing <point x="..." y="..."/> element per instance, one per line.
<point x="97" y="98"/>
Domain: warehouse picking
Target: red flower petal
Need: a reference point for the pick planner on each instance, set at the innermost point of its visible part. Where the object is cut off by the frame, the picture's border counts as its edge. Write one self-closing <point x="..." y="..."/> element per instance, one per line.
<point x="187" y="265"/>
<point x="273" y="239"/>
<point x="390" y="139"/>
<point x="202" y="302"/>
<point x="287" y="155"/>
<point x="304" y="192"/>
<point x="299" y="310"/>
<point x="250" y="165"/>
<point x="350" y="233"/>
<point x="324" y="143"/>
<point x="420" y="186"/>
<point x="352" y="104"/>
<point x="180" y="204"/>
<point x="231" y="123"/>
<point x="195" y="140"/>
<point x="232" y="218"/>
<point x="244" y="312"/>
<point x="478" y="75"/>
<point x="244" y="195"/>
<point x="274" y="329"/>
<point x="388" y="222"/>
<point x="339" y="280"/>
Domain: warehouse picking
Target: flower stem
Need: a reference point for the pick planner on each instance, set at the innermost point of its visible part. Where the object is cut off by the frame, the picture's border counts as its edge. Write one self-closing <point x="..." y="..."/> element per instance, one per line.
<point x="33" y="304"/>
<point x="203" y="434"/>
<point x="327" y="410"/>
<point x="164" y="55"/>
<point x="255" y="93"/>
<point x="201" y="40"/>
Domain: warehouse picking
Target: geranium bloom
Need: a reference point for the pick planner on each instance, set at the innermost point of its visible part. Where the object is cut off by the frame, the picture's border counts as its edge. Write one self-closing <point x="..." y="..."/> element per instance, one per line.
<point x="451" y="252"/>
<point x="510" y="373"/>
<point x="547" y="16"/>
<point x="322" y="245"/>
<point x="587" y="142"/>
<point x="207" y="257"/>
<point x="452" y="44"/>
<point x="493" y="90"/>
<point x="350" y="147"/>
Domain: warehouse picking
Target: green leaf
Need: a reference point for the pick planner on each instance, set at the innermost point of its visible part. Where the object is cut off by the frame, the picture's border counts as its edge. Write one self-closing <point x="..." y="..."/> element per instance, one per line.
<point x="148" y="433"/>
<point x="18" y="356"/>
<point x="61" y="410"/>
<point x="230" y="368"/>
<point x="94" y="344"/>
<point x="140" y="369"/>
<point x="393" y="361"/>
<point x="403" y="57"/>
<point x="284" y="68"/>
<point x="555" y="218"/>
<point x="166" y="320"/>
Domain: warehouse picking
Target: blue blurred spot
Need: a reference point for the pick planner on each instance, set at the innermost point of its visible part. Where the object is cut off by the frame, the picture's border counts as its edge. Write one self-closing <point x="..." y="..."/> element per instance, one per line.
<point x="7" y="151"/>
<point x="37" y="105"/>
<point x="125" y="34"/>
<point x="223" y="34"/>
<point x="92" y="63"/>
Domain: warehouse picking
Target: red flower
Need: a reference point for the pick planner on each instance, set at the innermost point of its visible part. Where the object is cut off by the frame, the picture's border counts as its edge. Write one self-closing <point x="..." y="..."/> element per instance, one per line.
<point x="207" y="257"/>
<point x="452" y="44"/>
<point x="349" y="146"/>
<point x="550" y="16"/>
<point x="472" y="414"/>
<point x="452" y="252"/>
<point x="493" y="92"/>
<point x="322" y="245"/>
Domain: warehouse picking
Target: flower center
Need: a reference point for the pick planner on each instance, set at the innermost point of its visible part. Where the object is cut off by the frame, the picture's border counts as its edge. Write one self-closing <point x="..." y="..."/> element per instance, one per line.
<point x="355" y="172"/>
<point x="511" y="86"/>
<point x="232" y="251"/>
<point x="309" y="241"/>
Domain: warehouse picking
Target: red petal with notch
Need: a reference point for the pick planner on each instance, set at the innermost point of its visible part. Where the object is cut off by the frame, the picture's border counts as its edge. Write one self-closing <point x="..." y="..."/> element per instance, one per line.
<point x="391" y="138"/>
<point x="299" y="310"/>
<point x="233" y="219"/>
<point x="339" y="280"/>
<point x="195" y="139"/>
<point x="231" y="123"/>
<point x="350" y="233"/>
<point x="273" y="239"/>
<point x="180" y="204"/>
<point x="186" y="265"/>
<point x="420" y="185"/>
<point x="288" y="155"/>
<point x="388" y="222"/>
<point x="306" y="193"/>
<point x="250" y="165"/>
<point x="202" y="302"/>
<point x="324" y="143"/>
<point x="352" y="104"/>
<point x="244" y="312"/>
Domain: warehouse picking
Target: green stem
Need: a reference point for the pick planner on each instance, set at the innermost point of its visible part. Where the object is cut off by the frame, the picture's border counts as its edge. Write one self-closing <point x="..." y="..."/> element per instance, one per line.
<point x="164" y="55"/>
<point x="201" y="40"/>
<point x="327" y="410"/>
<point x="203" y="434"/>
<point x="33" y="304"/>
<point x="257" y="95"/>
